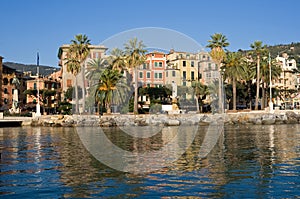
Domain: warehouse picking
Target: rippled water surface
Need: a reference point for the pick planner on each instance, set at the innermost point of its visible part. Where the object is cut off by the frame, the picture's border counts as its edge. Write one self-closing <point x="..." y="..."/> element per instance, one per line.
<point x="247" y="162"/>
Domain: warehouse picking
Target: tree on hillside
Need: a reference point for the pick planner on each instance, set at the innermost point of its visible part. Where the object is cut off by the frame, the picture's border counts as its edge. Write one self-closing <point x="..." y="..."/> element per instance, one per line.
<point x="216" y="44"/>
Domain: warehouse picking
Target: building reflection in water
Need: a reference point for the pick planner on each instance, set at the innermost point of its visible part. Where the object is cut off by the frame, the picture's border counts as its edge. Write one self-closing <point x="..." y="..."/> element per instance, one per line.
<point x="245" y="160"/>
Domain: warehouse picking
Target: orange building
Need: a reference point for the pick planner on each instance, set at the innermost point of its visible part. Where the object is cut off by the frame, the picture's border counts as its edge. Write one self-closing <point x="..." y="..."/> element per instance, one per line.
<point x="49" y="90"/>
<point x="7" y="87"/>
<point x="152" y="72"/>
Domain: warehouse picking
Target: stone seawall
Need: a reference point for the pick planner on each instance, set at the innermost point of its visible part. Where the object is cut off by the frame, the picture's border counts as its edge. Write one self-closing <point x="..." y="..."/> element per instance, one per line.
<point x="254" y="118"/>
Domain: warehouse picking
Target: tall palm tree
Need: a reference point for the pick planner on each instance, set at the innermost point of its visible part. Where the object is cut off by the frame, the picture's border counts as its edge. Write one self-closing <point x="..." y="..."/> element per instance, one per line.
<point x="107" y="85"/>
<point x="78" y="52"/>
<point x="250" y="74"/>
<point x="234" y="70"/>
<point x="73" y="66"/>
<point x="135" y="57"/>
<point x="258" y="49"/>
<point x="216" y="44"/>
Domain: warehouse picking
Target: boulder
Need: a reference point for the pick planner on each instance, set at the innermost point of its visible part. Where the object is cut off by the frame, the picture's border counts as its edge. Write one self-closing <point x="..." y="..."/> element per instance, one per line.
<point x="173" y="122"/>
<point x="268" y="119"/>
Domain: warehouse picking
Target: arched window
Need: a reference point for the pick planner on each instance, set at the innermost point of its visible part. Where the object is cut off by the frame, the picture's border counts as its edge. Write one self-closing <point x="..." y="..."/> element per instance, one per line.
<point x="5" y="81"/>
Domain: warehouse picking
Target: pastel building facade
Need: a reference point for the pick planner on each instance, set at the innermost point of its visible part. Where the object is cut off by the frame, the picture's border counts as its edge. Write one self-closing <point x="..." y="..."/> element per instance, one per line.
<point x="287" y="81"/>
<point x="152" y="72"/>
<point x="68" y="79"/>
<point x="96" y="52"/>
<point x="7" y="87"/>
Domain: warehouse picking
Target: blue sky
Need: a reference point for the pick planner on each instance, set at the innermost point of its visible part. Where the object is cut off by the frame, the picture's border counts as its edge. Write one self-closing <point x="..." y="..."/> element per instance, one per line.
<point x="28" y="26"/>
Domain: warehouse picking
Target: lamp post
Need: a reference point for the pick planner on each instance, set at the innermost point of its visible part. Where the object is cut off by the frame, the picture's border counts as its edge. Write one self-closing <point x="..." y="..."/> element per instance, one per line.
<point x="38" y="108"/>
<point x="270" y="70"/>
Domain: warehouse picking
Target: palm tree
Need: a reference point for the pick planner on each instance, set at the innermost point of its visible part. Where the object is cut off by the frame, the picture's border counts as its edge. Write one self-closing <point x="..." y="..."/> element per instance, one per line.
<point x="117" y="59"/>
<point x="265" y="74"/>
<point x="234" y="70"/>
<point x="200" y="90"/>
<point x="95" y="68"/>
<point x="107" y="85"/>
<point x="135" y="56"/>
<point x="73" y="66"/>
<point x="250" y="74"/>
<point x="258" y="49"/>
<point x="216" y="44"/>
<point x="78" y="52"/>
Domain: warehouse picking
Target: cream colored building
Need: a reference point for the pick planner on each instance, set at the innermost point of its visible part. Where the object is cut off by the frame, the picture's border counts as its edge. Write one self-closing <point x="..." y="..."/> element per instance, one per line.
<point x="68" y="79"/>
<point x="192" y="67"/>
<point x="288" y="79"/>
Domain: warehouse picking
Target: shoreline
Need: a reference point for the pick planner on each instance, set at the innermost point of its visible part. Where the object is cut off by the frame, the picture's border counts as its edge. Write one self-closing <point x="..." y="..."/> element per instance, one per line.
<point x="114" y="120"/>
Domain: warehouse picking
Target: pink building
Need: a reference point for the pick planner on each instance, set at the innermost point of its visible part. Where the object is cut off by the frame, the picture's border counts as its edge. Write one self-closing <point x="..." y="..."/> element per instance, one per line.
<point x="152" y="73"/>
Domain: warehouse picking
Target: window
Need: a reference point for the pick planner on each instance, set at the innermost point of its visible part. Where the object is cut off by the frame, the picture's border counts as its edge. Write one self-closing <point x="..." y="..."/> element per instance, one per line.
<point x="5" y="101"/>
<point x="184" y="75"/>
<point x="148" y="75"/>
<point x="184" y="63"/>
<point x="34" y="85"/>
<point x="160" y="64"/>
<point x="156" y="64"/>
<point x="5" y="91"/>
<point x="209" y="66"/>
<point x="141" y="75"/>
<point x="192" y="75"/>
<point x="166" y="73"/>
<point x="155" y="75"/>
<point x="160" y="75"/>
<point x="192" y="63"/>
<point x="5" y="81"/>
<point x="184" y="83"/>
<point x="144" y="66"/>
<point x="173" y="73"/>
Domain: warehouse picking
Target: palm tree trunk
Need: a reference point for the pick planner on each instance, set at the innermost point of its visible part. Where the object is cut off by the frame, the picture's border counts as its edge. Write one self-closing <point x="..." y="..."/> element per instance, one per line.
<point x="197" y="103"/>
<point x="83" y="88"/>
<point x="234" y="93"/>
<point x="135" y="110"/>
<point x="108" y="108"/>
<point x="257" y="82"/>
<point x="221" y="109"/>
<point x="76" y="96"/>
<point x="249" y="94"/>
<point x="263" y="93"/>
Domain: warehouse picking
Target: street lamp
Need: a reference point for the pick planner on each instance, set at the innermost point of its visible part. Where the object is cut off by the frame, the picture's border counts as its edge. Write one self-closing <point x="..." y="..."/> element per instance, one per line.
<point x="270" y="70"/>
<point x="38" y="108"/>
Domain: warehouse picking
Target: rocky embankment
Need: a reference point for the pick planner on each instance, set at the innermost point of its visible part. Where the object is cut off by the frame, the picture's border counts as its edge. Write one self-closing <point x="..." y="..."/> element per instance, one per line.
<point x="256" y="118"/>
